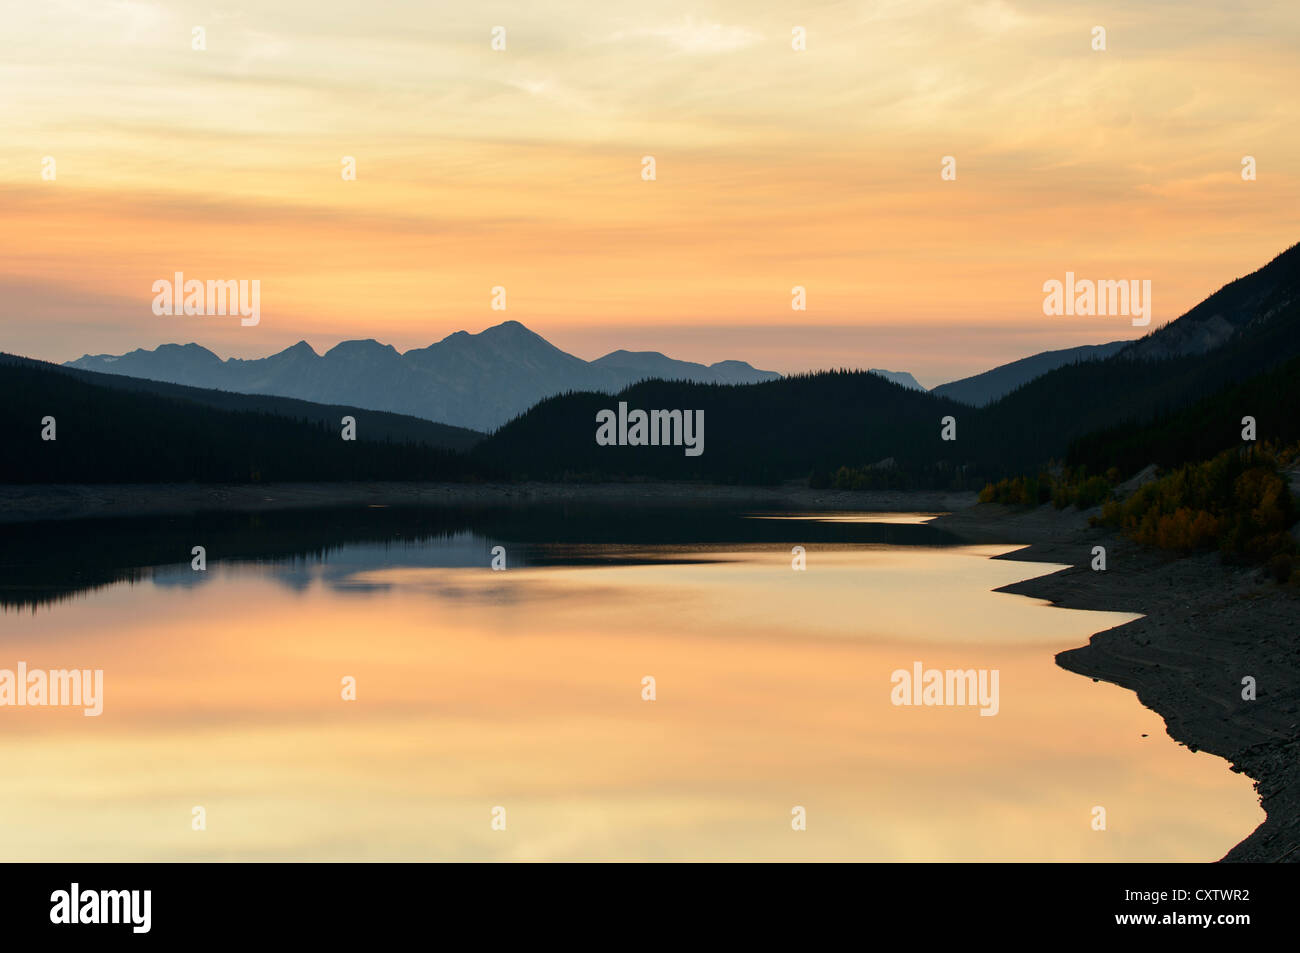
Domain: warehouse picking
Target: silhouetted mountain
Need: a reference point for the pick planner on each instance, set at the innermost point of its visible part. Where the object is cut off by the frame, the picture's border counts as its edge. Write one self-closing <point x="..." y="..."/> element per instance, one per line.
<point x="118" y="430"/>
<point x="380" y="425"/>
<point x="468" y="380"/>
<point x="756" y="433"/>
<point x="1242" y="305"/>
<point x="816" y="423"/>
<point x="1180" y="390"/>
<point x="981" y="389"/>
<point x="1140" y="384"/>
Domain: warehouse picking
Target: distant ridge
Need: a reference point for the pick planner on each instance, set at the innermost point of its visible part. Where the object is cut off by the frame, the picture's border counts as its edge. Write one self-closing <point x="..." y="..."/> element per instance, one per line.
<point x="477" y="381"/>
<point x="981" y="389"/>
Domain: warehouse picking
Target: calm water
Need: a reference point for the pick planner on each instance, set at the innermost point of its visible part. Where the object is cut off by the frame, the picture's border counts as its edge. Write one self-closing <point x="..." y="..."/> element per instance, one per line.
<point x="522" y="689"/>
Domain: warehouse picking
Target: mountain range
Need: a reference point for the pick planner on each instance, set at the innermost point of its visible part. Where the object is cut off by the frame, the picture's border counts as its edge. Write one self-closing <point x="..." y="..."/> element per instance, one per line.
<point x="1186" y="385"/>
<point x="478" y="381"/>
<point x="1179" y="393"/>
<point x="540" y="402"/>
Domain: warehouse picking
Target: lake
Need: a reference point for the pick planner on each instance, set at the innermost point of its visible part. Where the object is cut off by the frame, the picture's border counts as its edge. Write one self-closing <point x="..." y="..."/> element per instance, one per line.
<point x="516" y="698"/>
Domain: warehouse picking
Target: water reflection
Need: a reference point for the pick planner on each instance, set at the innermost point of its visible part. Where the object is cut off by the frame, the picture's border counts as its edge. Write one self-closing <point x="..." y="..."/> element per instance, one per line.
<point x="523" y="689"/>
<point x="42" y="563"/>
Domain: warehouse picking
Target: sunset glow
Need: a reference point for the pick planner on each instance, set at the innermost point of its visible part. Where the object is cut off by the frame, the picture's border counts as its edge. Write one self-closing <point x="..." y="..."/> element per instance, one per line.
<point x="521" y="168"/>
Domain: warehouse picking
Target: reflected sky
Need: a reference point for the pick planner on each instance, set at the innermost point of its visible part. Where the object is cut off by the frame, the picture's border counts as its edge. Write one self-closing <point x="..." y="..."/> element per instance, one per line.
<point x="523" y="689"/>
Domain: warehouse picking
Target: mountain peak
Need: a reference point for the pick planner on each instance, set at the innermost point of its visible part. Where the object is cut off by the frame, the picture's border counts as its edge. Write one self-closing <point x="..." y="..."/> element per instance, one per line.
<point x="190" y="350"/>
<point x="366" y="346"/>
<point x="508" y="329"/>
<point x="301" y="349"/>
<point x="613" y="357"/>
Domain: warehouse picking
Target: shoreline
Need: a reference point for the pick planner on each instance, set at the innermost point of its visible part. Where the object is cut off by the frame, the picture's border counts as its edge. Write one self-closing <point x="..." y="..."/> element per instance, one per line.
<point x="28" y="503"/>
<point x="1205" y="625"/>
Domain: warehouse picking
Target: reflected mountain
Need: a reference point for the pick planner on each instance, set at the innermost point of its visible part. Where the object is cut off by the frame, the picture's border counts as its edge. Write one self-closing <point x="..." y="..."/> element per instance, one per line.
<point x="47" y="562"/>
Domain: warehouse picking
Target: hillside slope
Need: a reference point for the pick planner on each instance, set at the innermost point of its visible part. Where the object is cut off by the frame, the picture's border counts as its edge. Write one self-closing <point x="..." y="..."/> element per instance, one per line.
<point x="126" y="435"/>
<point x="979" y="390"/>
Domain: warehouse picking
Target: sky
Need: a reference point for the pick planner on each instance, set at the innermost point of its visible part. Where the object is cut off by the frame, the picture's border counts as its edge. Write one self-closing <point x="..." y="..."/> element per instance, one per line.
<point x="522" y="168"/>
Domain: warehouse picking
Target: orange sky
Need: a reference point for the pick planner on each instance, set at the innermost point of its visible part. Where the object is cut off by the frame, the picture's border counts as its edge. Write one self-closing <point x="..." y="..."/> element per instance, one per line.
<point x="522" y="168"/>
